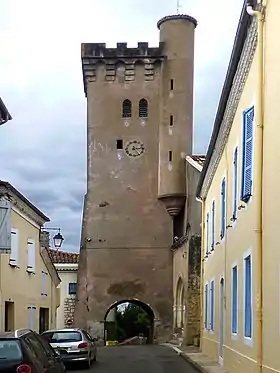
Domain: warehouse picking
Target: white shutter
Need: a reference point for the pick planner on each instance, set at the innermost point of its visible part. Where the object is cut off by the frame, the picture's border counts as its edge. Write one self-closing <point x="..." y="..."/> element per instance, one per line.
<point x="14" y="247"/>
<point x="5" y="226"/>
<point x="44" y="288"/>
<point x="31" y="314"/>
<point x="31" y="256"/>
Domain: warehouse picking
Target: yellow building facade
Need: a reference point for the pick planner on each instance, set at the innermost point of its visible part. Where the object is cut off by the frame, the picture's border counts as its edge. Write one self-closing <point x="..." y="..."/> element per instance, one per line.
<point x="28" y="280"/>
<point x="240" y="324"/>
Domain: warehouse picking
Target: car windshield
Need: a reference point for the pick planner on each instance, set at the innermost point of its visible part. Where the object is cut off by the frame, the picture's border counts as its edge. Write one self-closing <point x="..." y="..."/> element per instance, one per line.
<point x="10" y="350"/>
<point x="62" y="336"/>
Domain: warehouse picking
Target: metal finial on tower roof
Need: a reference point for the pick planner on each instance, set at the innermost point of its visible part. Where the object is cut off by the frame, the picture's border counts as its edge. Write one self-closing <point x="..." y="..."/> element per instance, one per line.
<point x="178" y="6"/>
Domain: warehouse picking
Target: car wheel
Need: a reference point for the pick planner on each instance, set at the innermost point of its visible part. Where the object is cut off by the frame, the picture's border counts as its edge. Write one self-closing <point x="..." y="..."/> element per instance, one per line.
<point x="88" y="363"/>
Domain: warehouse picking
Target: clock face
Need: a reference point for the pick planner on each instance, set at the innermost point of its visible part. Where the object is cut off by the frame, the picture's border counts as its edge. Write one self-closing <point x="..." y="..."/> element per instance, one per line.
<point x="134" y="148"/>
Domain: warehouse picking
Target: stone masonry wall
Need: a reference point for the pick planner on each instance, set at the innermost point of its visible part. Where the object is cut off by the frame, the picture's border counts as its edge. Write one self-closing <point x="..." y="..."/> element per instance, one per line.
<point x="69" y="309"/>
<point x="192" y="326"/>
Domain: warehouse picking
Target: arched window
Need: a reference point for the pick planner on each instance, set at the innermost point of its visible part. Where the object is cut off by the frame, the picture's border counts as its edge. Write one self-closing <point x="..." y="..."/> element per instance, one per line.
<point x="143" y="108"/>
<point x="126" y="109"/>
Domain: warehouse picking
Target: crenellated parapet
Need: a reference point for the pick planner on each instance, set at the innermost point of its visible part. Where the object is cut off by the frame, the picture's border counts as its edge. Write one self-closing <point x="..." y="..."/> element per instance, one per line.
<point x="120" y="62"/>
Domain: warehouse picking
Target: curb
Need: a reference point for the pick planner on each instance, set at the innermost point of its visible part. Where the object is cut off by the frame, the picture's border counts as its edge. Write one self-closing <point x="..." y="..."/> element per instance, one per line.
<point x="181" y="353"/>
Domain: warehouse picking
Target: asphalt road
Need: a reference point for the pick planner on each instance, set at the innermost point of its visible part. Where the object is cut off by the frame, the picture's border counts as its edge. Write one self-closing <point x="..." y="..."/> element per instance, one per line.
<point x="138" y="359"/>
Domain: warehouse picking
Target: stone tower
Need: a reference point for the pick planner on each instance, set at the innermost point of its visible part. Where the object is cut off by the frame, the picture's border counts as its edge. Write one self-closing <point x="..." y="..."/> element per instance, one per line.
<point x="139" y="130"/>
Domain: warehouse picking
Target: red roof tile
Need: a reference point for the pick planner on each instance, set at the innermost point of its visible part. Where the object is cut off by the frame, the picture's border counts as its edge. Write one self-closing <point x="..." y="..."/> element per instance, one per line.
<point x="58" y="256"/>
<point x="200" y="159"/>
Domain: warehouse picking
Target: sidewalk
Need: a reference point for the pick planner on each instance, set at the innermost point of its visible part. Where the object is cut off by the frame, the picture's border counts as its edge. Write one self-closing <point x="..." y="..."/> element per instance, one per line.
<point x="197" y="359"/>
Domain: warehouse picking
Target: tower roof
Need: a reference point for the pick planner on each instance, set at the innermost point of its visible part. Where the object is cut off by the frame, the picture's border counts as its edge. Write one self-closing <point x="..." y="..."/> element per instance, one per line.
<point x="177" y="17"/>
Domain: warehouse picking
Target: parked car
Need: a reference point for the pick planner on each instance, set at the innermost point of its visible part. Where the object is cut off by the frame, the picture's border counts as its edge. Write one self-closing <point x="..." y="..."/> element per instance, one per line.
<point x="24" y="351"/>
<point x="73" y="345"/>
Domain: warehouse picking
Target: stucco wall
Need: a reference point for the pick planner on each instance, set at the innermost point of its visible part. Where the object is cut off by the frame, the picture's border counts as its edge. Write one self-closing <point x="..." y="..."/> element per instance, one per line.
<point x="21" y="287"/>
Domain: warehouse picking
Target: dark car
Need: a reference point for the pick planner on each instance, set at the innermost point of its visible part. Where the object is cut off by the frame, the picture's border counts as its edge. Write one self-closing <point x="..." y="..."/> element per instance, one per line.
<point x="24" y="351"/>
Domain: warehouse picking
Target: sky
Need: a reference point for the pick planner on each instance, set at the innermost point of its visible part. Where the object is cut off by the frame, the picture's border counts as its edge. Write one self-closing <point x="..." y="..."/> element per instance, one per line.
<point x="43" y="149"/>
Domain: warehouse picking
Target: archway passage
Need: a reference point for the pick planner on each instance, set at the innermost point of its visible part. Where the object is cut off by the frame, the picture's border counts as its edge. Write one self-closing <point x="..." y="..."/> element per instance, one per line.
<point x="129" y="318"/>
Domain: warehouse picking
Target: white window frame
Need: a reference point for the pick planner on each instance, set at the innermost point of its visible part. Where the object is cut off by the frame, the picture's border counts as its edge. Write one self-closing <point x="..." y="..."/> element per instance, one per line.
<point x="234" y="335"/>
<point x="248" y="340"/>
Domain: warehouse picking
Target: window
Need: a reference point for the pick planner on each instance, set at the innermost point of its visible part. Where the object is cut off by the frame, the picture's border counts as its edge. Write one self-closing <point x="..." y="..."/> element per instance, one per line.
<point x="170" y="155"/>
<point x="119" y="144"/>
<point x="14" y="247"/>
<point x="143" y="108"/>
<point x="213" y="226"/>
<point x="126" y="109"/>
<point x="10" y="350"/>
<point x="44" y="288"/>
<point x="31" y="256"/>
<point x="171" y="84"/>
<point x="235" y="172"/>
<point x="206" y="307"/>
<point x="234" y="300"/>
<point x="223" y="208"/>
<point x="5" y="225"/>
<point x="171" y="120"/>
<point x="247" y="162"/>
<point x="212" y="304"/>
<point x="31" y="312"/>
<point x="72" y="288"/>
<point x="207" y="233"/>
<point x="248" y="297"/>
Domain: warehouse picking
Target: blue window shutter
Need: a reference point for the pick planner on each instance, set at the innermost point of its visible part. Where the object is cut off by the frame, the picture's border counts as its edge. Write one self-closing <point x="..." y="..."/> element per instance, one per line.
<point x="207" y="233"/>
<point x="235" y="172"/>
<point x="248" y="120"/>
<point x="206" y="306"/>
<point x="213" y="225"/>
<point x="212" y="305"/>
<point x="234" y="300"/>
<point x="223" y="208"/>
<point x="248" y="298"/>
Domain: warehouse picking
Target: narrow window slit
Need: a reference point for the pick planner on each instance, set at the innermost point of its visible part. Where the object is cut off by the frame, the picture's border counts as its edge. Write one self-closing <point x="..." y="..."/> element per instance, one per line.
<point x="171" y="120"/>
<point x="170" y="156"/>
<point x="119" y="144"/>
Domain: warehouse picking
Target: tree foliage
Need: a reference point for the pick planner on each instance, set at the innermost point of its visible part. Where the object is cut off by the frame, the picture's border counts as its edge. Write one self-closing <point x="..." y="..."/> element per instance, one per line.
<point x="132" y="321"/>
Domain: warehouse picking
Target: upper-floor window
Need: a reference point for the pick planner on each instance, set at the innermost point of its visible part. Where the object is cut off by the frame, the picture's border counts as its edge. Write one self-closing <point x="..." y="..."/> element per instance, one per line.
<point x="44" y="284"/>
<point x="213" y="226"/>
<point x="72" y="288"/>
<point x="31" y="255"/>
<point x="143" y="108"/>
<point x="126" y="109"/>
<point x="207" y="233"/>
<point x="234" y="181"/>
<point x="247" y="164"/>
<point x="223" y="208"/>
<point x="14" y="255"/>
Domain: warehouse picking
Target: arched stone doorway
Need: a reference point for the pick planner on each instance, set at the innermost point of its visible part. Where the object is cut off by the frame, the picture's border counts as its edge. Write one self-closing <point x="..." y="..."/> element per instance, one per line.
<point x="144" y="306"/>
<point x="180" y="306"/>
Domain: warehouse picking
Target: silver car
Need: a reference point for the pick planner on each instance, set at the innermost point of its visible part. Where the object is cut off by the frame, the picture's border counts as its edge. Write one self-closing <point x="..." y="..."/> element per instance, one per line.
<point x="73" y="345"/>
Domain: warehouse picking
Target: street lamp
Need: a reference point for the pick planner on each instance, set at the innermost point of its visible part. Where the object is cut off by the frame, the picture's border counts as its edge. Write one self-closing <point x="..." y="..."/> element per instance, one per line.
<point x="57" y="239"/>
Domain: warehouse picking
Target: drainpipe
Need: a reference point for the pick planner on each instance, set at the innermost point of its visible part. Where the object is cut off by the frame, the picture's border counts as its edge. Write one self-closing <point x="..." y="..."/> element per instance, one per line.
<point x="202" y="201"/>
<point x="259" y="179"/>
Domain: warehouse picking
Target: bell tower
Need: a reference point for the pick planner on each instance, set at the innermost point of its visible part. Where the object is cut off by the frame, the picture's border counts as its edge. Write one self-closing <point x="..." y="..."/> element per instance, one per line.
<point x="139" y="129"/>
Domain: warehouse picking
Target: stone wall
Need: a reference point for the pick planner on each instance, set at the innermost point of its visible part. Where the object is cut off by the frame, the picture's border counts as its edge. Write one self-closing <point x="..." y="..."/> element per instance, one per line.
<point x="192" y="322"/>
<point x="69" y="309"/>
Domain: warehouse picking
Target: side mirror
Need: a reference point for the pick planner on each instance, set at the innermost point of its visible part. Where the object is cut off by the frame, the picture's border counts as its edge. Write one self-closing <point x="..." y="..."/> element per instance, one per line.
<point x="95" y="339"/>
